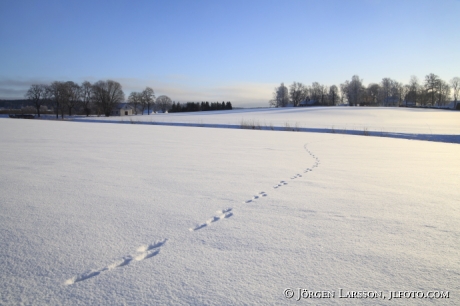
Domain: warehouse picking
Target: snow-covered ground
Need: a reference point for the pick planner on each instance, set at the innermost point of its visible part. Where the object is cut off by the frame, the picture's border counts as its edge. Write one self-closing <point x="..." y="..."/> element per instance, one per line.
<point x="162" y="215"/>
<point x="377" y="119"/>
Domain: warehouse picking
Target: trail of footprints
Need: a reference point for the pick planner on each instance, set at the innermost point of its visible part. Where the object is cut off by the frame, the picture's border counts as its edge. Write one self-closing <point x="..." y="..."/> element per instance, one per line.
<point x="226" y="213"/>
<point x="142" y="252"/>
<point x="316" y="164"/>
<point x="151" y="250"/>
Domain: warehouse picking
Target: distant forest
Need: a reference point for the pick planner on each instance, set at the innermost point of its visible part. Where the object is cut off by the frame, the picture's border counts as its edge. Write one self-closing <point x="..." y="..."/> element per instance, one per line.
<point x="196" y="107"/>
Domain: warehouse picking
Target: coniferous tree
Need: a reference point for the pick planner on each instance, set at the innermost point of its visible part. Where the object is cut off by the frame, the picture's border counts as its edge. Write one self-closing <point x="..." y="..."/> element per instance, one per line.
<point x="280" y="96"/>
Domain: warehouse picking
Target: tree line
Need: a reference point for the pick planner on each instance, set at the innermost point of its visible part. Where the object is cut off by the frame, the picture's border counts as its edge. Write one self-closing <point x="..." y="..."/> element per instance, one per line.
<point x="99" y="98"/>
<point x="196" y="106"/>
<point x="433" y="91"/>
<point x="65" y="97"/>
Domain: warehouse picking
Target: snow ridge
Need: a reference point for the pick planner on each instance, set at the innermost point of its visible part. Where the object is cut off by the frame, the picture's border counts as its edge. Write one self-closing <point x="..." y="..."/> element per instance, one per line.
<point x="142" y="252"/>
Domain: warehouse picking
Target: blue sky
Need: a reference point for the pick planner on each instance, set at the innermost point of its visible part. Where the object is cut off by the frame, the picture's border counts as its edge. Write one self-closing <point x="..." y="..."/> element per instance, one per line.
<point x="225" y="50"/>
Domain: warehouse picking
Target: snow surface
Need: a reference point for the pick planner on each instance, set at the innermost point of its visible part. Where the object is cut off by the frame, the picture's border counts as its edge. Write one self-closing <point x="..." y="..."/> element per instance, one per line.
<point x="144" y="214"/>
<point x="374" y="119"/>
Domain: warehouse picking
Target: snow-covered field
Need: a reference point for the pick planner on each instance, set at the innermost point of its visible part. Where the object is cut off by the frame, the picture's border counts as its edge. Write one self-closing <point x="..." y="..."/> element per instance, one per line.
<point x="118" y="214"/>
<point x="377" y="119"/>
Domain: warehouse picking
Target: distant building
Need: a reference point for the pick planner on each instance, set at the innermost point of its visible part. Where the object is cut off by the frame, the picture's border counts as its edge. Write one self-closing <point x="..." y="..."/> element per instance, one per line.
<point x="122" y="109"/>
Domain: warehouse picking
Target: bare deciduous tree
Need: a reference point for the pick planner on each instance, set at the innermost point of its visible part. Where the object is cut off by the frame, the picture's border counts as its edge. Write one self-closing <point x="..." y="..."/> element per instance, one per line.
<point x="107" y="94"/>
<point x="333" y="94"/>
<point x="373" y="91"/>
<point x="148" y="98"/>
<point x="388" y="92"/>
<point x="58" y="95"/>
<point x="297" y="93"/>
<point x="443" y="92"/>
<point x="455" y="84"/>
<point x="414" y="91"/>
<point x="37" y="94"/>
<point x="344" y="91"/>
<point x="134" y="100"/>
<point x="163" y="103"/>
<point x="324" y="90"/>
<point x="316" y="92"/>
<point x="354" y="90"/>
<point x="432" y="85"/>
<point x="74" y="96"/>
<point x="403" y="90"/>
<point x="86" y="90"/>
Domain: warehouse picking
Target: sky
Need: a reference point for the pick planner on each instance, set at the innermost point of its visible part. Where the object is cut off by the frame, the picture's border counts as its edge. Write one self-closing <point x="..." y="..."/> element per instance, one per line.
<point x="236" y="51"/>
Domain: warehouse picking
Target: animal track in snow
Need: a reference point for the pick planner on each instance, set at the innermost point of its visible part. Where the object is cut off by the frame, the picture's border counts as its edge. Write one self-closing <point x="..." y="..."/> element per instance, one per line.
<point x="257" y="196"/>
<point x="281" y="183"/>
<point x="146" y="255"/>
<point x="221" y="214"/>
<point x="316" y="164"/>
<point x="317" y="161"/>
<point x="142" y="252"/>
<point x="152" y="246"/>
<point x="226" y="213"/>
